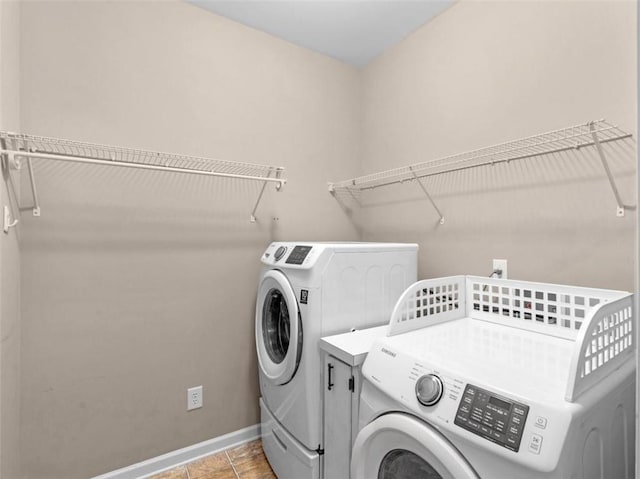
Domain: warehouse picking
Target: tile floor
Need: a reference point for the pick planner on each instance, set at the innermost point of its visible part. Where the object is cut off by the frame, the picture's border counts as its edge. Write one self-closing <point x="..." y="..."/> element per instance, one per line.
<point x="242" y="462"/>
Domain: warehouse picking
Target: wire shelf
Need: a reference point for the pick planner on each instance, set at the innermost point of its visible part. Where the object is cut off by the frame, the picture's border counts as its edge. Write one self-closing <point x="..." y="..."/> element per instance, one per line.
<point x="16" y="146"/>
<point x="572" y="138"/>
<point x="115" y="154"/>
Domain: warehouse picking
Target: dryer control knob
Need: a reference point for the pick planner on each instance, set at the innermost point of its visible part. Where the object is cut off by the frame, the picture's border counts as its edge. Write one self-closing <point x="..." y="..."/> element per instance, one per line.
<point x="429" y="389"/>
<point x="280" y="252"/>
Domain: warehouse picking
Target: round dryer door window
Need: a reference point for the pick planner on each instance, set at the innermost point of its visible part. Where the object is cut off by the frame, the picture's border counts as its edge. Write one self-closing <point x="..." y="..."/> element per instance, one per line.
<point x="400" y="446"/>
<point x="402" y="464"/>
<point x="278" y="328"/>
<point x="276" y="325"/>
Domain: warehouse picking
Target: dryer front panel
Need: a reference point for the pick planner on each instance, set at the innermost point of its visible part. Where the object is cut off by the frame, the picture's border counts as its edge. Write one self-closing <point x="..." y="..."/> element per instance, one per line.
<point x="278" y="328"/>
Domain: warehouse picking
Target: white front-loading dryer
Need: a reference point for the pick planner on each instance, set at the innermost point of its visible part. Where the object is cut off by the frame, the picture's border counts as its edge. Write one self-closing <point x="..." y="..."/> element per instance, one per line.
<point x="484" y="378"/>
<point x="308" y="290"/>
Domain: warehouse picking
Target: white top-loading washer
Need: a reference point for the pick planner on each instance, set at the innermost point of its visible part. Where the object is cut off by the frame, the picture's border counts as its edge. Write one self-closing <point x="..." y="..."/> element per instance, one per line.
<point x="308" y="290"/>
<point x="500" y="379"/>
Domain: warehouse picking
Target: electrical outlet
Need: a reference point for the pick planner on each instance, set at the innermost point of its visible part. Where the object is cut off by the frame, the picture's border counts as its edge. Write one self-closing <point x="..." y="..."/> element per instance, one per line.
<point x="500" y="264"/>
<point x="194" y="398"/>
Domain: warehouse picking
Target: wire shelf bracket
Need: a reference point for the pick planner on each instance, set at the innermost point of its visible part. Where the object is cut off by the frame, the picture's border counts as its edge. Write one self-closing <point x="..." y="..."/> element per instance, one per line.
<point x="621" y="207"/>
<point x="424" y="189"/>
<point x="594" y="133"/>
<point x="34" y="190"/>
<point x="15" y="147"/>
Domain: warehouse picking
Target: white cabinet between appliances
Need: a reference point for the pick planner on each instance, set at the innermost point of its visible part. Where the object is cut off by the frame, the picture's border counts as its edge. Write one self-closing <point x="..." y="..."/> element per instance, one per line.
<point x="340" y="416"/>
<point x="343" y="355"/>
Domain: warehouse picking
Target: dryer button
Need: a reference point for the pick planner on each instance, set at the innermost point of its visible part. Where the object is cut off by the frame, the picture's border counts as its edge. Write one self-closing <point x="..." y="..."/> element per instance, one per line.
<point x="541" y="422"/>
<point x="429" y="389"/>
<point x="535" y="444"/>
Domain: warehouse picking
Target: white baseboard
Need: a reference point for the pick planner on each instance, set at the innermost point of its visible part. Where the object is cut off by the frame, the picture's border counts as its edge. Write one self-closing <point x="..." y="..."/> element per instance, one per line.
<point x="176" y="458"/>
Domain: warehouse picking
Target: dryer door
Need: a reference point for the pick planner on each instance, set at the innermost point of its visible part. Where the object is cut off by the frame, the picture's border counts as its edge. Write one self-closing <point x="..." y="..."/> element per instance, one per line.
<point x="399" y="446"/>
<point x="278" y="328"/>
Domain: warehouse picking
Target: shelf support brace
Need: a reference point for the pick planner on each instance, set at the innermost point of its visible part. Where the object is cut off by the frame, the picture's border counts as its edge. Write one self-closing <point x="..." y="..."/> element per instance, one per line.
<point x="621" y="206"/>
<point x="428" y="195"/>
<point x="34" y="191"/>
<point x="252" y="217"/>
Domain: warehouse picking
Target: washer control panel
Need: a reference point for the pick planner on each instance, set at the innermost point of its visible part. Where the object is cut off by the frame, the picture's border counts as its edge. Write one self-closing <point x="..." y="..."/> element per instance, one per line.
<point x="495" y="418"/>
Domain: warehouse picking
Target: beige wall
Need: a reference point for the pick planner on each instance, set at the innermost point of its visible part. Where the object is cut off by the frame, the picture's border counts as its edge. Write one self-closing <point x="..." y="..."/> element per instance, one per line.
<point x="487" y="72"/>
<point x="138" y="285"/>
<point x="10" y="326"/>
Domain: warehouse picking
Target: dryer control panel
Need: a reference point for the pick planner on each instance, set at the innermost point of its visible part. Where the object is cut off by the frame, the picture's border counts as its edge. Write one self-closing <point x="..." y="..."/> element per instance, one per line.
<point x="298" y="255"/>
<point x="291" y="255"/>
<point x="495" y="418"/>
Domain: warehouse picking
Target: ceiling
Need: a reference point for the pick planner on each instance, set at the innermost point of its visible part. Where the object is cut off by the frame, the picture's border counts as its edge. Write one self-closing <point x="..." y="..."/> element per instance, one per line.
<point x="352" y="31"/>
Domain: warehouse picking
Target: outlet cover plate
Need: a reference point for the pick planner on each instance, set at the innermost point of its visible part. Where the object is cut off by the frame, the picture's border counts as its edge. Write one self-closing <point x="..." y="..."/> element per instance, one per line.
<point x="194" y="398"/>
<point x="502" y="265"/>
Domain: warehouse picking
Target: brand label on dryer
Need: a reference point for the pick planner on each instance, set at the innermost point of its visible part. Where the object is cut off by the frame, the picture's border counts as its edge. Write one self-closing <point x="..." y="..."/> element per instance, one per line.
<point x="390" y="353"/>
<point x="304" y="296"/>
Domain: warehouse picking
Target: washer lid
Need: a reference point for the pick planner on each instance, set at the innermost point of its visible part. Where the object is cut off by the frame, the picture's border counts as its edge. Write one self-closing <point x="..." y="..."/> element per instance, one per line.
<point x="278" y="328"/>
<point x="399" y="446"/>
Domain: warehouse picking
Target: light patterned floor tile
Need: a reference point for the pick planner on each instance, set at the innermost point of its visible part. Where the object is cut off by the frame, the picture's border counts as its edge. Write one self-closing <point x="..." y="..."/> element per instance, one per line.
<point x="246" y="452"/>
<point x="249" y="462"/>
<point x="221" y="474"/>
<point x="217" y="465"/>
<point x="177" y="473"/>
<point x="255" y="468"/>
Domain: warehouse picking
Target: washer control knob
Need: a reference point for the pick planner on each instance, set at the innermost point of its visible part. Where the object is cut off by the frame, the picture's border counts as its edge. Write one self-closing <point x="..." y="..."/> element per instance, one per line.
<point x="280" y="252"/>
<point x="429" y="389"/>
